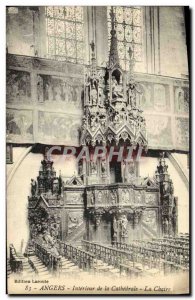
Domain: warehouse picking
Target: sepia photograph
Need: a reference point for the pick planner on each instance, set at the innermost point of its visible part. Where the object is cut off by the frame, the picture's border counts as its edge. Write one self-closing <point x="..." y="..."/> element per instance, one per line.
<point x="98" y="150"/>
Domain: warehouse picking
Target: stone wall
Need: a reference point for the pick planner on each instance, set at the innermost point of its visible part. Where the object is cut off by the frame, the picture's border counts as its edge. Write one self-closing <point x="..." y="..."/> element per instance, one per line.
<point x="45" y="104"/>
<point x="164" y="41"/>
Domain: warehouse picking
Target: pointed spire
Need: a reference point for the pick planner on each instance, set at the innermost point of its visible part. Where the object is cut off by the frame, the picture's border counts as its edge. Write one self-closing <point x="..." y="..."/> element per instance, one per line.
<point x="93" y="59"/>
<point x="113" y="57"/>
<point x="131" y="63"/>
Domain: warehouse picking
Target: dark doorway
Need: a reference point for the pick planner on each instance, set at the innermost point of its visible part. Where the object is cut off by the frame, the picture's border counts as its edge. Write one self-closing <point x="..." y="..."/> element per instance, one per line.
<point x="115" y="172"/>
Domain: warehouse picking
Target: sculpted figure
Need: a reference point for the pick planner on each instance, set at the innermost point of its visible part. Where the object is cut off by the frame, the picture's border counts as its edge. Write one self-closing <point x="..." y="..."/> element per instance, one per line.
<point x="49" y="91"/>
<point x="166" y="226"/>
<point x="93" y="167"/>
<point x="33" y="187"/>
<point x="40" y="88"/>
<point x="103" y="166"/>
<point x="93" y="95"/>
<point x="123" y="224"/>
<point x="116" y="89"/>
<point x="115" y="227"/>
<point x="116" y="119"/>
<point x="132" y="94"/>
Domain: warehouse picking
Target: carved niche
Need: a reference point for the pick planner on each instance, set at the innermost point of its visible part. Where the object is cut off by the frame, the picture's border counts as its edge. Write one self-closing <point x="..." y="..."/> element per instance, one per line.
<point x="129" y="171"/>
<point x="90" y="198"/>
<point x="138" y="197"/>
<point x="112" y="197"/>
<point x="125" y="198"/>
<point x="99" y="196"/>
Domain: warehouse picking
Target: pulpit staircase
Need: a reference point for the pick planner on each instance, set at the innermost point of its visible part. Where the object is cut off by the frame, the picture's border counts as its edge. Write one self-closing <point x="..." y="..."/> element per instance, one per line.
<point x="9" y="271"/>
<point x="40" y="269"/>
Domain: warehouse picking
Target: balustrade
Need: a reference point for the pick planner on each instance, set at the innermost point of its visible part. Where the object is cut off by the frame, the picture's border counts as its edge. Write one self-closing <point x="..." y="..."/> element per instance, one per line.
<point x="172" y="253"/>
<point x="134" y="259"/>
<point x="15" y="262"/>
<point x="50" y="260"/>
<point x="82" y="258"/>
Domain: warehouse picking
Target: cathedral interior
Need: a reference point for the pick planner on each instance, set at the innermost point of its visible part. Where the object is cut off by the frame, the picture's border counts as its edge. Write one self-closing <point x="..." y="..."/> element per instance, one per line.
<point x="112" y="77"/>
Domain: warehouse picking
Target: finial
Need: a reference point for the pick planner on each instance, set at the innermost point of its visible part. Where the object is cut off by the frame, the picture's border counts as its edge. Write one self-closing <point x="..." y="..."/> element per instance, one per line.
<point x="113" y="57"/>
<point x="131" y="62"/>
<point x="112" y="17"/>
<point x="130" y="51"/>
<point x="92" y="44"/>
<point x="93" y="59"/>
<point x="46" y="157"/>
<point x="162" y="157"/>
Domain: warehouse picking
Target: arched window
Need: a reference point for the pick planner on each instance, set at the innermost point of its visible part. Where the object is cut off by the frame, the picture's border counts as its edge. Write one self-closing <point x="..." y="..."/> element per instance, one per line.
<point x="128" y="24"/>
<point x="65" y="33"/>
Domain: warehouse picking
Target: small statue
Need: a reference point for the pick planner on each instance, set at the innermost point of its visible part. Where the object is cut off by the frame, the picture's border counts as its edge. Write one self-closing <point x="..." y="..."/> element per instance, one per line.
<point x="23" y="85"/>
<point x="123" y="224"/>
<point x="84" y="125"/>
<point x="33" y="187"/>
<point x="116" y="89"/>
<point x="97" y="220"/>
<point x="40" y="88"/>
<point x="103" y="167"/>
<point x="131" y="94"/>
<point x="116" y="119"/>
<point x="64" y="90"/>
<point x="15" y="89"/>
<point x="92" y="198"/>
<point x="49" y="91"/>
<point x="93" y="94"/>
<point x="113" y="197"/>
<point x="115" y="227"/>
<point x="166" y="226"/>
<point x="166" y="189"/>
<point x="93" y="167"/>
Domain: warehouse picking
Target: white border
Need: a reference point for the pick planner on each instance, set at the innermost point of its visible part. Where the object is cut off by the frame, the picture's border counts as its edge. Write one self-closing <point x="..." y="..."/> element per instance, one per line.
<point x="2" y="99"/>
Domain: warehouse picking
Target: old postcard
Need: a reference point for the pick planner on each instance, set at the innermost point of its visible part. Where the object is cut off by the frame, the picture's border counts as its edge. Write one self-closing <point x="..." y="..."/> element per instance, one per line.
<point x="97" y="107"/>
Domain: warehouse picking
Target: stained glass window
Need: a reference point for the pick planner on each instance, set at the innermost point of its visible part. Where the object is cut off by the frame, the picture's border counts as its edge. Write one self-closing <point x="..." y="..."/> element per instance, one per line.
<point x="128" y="25"/>
<point x="65" y="32"/>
